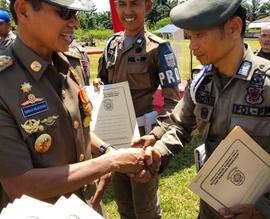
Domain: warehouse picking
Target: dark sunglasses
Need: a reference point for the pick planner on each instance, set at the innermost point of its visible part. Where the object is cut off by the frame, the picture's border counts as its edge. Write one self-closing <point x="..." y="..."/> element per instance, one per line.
<point x="66" y="13"/>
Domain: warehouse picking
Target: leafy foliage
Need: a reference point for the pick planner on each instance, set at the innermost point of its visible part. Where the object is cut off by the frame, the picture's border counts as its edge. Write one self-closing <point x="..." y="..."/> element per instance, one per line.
<point x="256" y="9"/>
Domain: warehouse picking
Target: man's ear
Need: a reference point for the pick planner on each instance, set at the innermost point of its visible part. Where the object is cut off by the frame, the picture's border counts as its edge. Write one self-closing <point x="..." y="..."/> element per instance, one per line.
<point x="235" y="27"/>
<point x="148" y="5"/>
<point x="22" y="8"/>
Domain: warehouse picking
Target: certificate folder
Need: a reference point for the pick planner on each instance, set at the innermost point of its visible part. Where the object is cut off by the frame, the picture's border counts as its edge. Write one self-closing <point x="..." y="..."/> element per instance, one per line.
<point x="238" y="172"/>
<point x="113" y="115"/>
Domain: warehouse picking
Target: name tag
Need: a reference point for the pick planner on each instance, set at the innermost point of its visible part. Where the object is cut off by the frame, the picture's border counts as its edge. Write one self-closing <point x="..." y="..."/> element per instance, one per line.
<point x="34" y="109"/>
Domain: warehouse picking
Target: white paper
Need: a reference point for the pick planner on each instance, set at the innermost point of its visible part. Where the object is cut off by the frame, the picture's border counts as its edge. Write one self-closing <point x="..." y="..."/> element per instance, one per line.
<point x="74" y="207"/>
<point x="113" y="115"/>
<point x="30" y="208"/>
<point x="238" y="172"/>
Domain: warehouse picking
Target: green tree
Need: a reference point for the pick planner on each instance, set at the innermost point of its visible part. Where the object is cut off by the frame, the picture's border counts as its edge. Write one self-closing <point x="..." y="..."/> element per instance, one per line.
<point x="256" y="9"/>
<point x="161" y="9"/>
<point x="4" y="5"/>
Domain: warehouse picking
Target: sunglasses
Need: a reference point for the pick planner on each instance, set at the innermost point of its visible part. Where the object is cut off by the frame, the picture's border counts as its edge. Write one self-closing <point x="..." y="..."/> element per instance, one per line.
<point x="65" y="13"/>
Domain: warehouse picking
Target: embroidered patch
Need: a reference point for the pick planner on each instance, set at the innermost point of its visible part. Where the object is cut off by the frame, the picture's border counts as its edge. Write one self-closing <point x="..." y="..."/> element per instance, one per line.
<point x="254" y="95"/>
<point x="255" y="90"/>
<point x="170" y="60"/>
<point x="34" y="109"/>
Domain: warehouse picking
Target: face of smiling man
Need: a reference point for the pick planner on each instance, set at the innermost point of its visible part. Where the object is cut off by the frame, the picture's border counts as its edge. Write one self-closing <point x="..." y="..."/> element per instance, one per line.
<point x="132" y="13"/>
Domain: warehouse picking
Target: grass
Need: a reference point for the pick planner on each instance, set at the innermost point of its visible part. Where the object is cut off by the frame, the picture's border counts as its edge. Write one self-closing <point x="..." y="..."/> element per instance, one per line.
<point x="176" y="199"/>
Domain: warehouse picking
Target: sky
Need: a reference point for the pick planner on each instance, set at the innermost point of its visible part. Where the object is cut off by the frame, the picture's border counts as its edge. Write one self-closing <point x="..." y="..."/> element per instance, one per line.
<point x="102" y="5"/>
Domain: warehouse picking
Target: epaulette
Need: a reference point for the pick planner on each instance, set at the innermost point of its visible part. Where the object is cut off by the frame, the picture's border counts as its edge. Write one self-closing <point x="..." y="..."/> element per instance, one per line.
<point x="5" y="62"/>
<point x="263" y="65"/>
<point x="155" y="38"/>
<point x="73" y="53"/>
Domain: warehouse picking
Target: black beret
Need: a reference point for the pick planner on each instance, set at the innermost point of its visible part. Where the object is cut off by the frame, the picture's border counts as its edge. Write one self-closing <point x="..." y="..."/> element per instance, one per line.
<point x="202" y="14"/>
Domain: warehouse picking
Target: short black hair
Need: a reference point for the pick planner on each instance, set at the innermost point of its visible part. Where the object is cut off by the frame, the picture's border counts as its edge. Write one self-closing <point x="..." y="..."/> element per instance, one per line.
<point x="36" y="4"/>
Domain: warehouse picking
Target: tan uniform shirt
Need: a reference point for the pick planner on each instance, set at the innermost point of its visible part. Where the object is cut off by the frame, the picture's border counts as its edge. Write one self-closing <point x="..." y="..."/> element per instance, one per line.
<point x="5" y="42"/>
<point x="244" y="101"/>
<point x="140" y="64"/>
<point x="55" y="110"/>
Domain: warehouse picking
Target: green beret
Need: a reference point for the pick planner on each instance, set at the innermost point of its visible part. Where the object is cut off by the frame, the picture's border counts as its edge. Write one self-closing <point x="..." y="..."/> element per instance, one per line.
<point x="78" y="5"/>
<point x="202" y="14"/>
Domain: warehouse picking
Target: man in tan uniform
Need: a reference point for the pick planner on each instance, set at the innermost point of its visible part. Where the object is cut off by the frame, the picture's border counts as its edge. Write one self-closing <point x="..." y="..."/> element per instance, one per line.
<point x="264" y="40"/>
<point x="6" y="35"/>
<point x="232" y="89"/>
<point x="45" y="143"/>
<point x="145" y="61"/>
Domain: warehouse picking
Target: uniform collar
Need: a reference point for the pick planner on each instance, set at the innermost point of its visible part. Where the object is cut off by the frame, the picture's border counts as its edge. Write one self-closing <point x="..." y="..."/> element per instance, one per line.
<point x="247" y="65"/>
<point x="35" y="64"/>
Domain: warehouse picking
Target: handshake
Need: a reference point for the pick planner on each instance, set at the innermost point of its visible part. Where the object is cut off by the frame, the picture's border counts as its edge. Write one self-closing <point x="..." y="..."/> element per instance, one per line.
<point x="141" y="164"/>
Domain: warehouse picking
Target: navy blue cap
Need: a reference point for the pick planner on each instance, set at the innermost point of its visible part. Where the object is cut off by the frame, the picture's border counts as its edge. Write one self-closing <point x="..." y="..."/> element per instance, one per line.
<point x="4" y="16"/>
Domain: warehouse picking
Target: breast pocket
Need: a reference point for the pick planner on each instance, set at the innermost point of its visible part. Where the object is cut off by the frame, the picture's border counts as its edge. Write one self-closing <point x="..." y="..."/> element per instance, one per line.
<point x="254" y="126"/>
<point x="138" y="76"/>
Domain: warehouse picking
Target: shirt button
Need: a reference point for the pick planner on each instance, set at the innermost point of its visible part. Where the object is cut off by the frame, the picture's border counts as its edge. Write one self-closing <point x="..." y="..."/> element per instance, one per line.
<point x="81" y="157"/>
<point x="76" y="124"/>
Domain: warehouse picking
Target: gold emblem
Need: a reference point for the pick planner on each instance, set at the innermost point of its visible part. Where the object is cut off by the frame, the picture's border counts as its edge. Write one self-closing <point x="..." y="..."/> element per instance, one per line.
<point x="36" y="66"/>
<point x="31" y="99"/>
<point x="49" y="121"/>
<point x="26" y="88"/>
<point x="86" y="121"/>
<point x="31" y="126"/>
<point x="43" y="143"/>
<point x="5" y="60"/>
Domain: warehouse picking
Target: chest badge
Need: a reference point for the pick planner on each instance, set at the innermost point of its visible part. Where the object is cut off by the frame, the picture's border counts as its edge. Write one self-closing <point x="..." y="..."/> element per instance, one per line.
<point x="32" y="105"/>
<point x="255" y="89"/>
<point x="43" y="143"/>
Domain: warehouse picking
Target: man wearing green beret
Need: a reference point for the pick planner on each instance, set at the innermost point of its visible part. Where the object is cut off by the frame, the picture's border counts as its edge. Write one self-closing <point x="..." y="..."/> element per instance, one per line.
<point x="232" y="89"/>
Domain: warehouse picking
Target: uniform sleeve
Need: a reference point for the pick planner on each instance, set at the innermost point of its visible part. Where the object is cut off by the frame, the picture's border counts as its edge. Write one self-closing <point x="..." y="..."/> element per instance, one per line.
<point x="169" y="79"/>
<point x="183" y="122"/>
<point x="102" y="70"/>
<point x="15" y="158"/>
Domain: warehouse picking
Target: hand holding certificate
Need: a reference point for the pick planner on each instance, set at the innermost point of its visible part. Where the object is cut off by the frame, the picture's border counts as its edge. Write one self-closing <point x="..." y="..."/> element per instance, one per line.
<point x="113" y="115"/>
<point x="238" y="172"/>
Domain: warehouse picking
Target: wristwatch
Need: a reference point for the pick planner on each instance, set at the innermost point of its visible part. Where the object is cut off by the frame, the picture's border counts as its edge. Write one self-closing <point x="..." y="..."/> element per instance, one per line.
<point x="102" y="148"/>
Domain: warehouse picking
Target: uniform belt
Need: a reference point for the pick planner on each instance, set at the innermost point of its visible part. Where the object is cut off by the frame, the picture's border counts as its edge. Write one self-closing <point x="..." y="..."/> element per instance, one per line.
<point x="147" y="121"/>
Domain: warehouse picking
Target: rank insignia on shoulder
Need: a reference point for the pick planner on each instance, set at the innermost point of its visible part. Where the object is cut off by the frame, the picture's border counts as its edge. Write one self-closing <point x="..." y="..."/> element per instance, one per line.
<point x="5" y="62"/>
